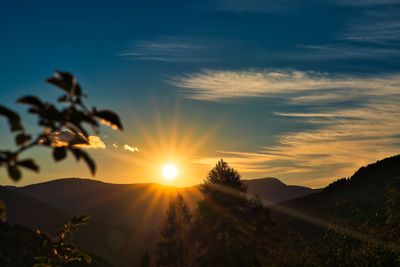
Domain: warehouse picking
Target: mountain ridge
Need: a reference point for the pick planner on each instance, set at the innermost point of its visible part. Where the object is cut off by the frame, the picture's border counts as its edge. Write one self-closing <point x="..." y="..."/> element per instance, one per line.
<point x="271" y="190"/>
<point x="366" y="187"/>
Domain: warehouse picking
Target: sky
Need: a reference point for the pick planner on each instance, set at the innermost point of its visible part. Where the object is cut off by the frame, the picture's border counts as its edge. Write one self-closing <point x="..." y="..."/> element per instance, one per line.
<point x="303" y="90"/>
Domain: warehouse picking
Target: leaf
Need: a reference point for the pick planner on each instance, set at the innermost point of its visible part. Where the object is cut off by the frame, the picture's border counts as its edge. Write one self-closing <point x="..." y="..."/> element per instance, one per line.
<point x="76" y="117"/>
<point x="85" y="257"/>
<point x="59" y="153"/>
<point x="67" y="82"/>
<point x="78" y="135"/>
<point x="89" y="161"/>
<point x="76" y="152"/>
<point x="14" y="172"/>
<point x="80" y="154"/>
<point x="50" y="112"/>
<point x="78" y="139"/>
<point x="109" y="118"/>
<point x="33" y="110"/>
<point x="22" y="138"/>
<point x="31" y="100"/>
<point x="29" y="164"/>
<point x="78" y="220"/>
<point x="79" y="117"/>
<point x="63" y="98"/>
<point x="12" y="117"/>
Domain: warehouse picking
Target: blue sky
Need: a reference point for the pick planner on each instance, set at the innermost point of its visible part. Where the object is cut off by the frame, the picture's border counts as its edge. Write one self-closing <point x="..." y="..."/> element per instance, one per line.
<point x="306" y="91"/>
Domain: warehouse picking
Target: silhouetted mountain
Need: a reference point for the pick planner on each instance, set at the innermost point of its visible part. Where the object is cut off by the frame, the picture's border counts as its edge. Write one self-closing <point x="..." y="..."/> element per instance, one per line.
<point x="125" y="203"/>
<point x="143" y="204"/>
<point x="118" y="204"/>
<point x="272" y="190"/>
<point x="367" y="188"/>
<point x="25" y="210"/>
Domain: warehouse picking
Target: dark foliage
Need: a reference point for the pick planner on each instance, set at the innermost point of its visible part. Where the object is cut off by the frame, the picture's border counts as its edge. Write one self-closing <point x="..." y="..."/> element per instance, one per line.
<point x="174" y="248"/>
<point x="64" y="126"/>
<point x="145" y="260"/>
<point x="21" y="246"/>
<point x="352" y="222"/>
<point x="60" y="250"/>
<point x="227" y="229"/>
<point x="362" y="215"/>
<point x="3" y="214"/>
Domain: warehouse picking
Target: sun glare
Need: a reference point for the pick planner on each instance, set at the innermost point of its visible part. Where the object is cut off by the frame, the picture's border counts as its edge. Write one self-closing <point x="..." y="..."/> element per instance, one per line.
<point x="169" y="171"/>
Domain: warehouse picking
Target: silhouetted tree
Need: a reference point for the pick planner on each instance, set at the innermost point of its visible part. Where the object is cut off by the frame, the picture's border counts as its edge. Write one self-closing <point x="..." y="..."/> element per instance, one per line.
<point x="173" y="249"/>
<point x="229" y="229"/>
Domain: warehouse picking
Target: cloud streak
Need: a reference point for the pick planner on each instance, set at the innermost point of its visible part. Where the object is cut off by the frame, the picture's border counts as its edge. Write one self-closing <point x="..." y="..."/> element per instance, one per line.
<point x="380" y="26"/>
<point x="258" y="6"/>
<point x="169" y="49"/>
<point x="217" y="85"/>
<point x="366" y="3"/>
<point x="342" y="52"/>
<point x="284" y="6"/>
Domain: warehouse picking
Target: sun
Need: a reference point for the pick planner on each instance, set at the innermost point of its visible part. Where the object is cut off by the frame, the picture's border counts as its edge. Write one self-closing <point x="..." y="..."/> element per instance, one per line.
<point x="169" y="171"/>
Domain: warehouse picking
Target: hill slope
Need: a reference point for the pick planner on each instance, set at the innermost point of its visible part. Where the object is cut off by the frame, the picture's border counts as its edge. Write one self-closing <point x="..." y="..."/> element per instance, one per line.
<point x="117" y="204"/>
<point x="126" y="202"/>
<point x="367" y="187"/>
<point x="272" y="190"/>
<point x="28" y="211"/>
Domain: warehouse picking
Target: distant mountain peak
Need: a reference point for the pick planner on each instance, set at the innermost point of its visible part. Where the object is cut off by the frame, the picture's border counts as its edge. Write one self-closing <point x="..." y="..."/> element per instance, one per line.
<point x="267" y="180"/>
<point x="272" y="190"/>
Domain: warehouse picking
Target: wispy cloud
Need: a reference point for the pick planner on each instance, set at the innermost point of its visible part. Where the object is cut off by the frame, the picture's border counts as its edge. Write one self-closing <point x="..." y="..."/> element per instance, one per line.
<point x="366" y="3"/>
<point x="169" y="49"/>
<point x="343" y="51"/>
<point x="217" y="85"/>
<point x="258" y="6"/>
<point x="380" y="26"/>
<point x="284" y="6"/>
<point x="342" y="137"/>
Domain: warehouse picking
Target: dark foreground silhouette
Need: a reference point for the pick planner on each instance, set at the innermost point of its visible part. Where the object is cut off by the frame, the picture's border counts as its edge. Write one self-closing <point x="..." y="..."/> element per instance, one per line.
<point x="352" y="222"/>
